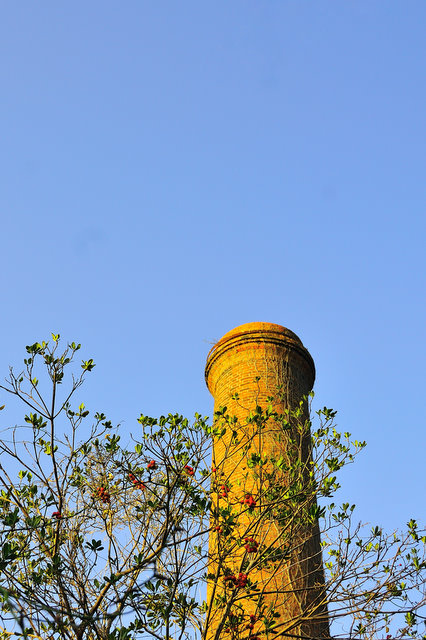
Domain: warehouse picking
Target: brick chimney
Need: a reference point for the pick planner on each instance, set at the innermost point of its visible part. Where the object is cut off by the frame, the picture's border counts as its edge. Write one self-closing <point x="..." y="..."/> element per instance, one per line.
<point x="256" y="361"/>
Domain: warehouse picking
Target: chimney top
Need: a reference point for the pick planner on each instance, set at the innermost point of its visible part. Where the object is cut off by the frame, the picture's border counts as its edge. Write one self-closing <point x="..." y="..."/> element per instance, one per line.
<point x="257" y="332"/>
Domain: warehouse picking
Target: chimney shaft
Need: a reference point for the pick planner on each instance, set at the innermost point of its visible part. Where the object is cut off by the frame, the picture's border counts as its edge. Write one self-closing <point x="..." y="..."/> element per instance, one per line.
<point x="256" y="361"/>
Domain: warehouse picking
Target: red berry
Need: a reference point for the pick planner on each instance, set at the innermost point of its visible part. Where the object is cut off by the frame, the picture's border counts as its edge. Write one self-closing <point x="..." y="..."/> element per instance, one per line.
<point x="241" y="580"/>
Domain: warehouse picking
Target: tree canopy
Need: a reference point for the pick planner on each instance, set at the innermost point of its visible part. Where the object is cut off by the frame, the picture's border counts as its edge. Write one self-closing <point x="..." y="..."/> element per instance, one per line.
<point x="110" y="541"/>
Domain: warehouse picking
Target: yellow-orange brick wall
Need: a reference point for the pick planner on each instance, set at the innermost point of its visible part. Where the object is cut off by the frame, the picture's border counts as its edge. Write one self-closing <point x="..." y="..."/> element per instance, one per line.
<point x="256" y="361"/>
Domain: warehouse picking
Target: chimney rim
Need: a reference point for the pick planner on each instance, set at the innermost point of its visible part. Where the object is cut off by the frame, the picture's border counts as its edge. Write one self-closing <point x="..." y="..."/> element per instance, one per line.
<point x="257" y="332"/>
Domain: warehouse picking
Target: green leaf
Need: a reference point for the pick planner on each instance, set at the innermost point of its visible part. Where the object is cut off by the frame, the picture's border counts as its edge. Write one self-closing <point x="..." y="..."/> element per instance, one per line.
<point x="95" y="545"/>
<point x="88" y="365"/>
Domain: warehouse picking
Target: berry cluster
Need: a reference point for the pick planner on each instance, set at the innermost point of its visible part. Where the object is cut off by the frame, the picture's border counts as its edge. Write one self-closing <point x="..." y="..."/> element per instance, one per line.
<point x="250" y="625"/>
<point x="102" y="494"/>
<point x="152" y="465"/>
<point x="249" y="500"/>
<point x="224" y="490"/>
<point x="138" y="483"/>
<point x="232" y="625"/>
<point x="218" y="528"/>
<point x="188" y="470"/>
<point x="251" y="545"/>
<point x="57" y="515"/>
<point x="234" y="581"/>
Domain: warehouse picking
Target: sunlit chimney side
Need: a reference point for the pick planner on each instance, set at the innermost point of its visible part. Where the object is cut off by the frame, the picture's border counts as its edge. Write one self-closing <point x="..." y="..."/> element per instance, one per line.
<point x="257" y="361"/>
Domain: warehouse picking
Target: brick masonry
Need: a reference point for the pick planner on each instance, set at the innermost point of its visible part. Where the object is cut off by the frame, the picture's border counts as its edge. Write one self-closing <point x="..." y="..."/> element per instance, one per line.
<point x="258" y="360"/>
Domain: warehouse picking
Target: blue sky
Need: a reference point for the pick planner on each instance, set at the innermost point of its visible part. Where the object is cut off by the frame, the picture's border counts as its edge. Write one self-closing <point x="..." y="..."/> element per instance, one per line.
<point x="170" y="170"/>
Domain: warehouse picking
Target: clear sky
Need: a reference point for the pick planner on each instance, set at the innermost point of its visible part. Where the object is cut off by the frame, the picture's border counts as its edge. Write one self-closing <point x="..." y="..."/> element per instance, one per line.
<point x="169" y="170"/>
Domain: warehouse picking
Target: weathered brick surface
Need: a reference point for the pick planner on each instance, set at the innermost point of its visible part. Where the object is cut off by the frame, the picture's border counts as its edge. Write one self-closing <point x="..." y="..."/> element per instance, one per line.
<point x="278" y="358"/>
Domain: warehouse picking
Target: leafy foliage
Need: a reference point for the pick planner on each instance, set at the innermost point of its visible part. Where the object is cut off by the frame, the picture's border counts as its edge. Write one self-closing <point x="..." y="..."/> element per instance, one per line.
<point x="106" y="541"/>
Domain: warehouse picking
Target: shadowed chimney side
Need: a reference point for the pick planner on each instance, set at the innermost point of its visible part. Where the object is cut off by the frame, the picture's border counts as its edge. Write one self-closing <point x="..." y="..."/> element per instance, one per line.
<point x="256" y="361"/>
